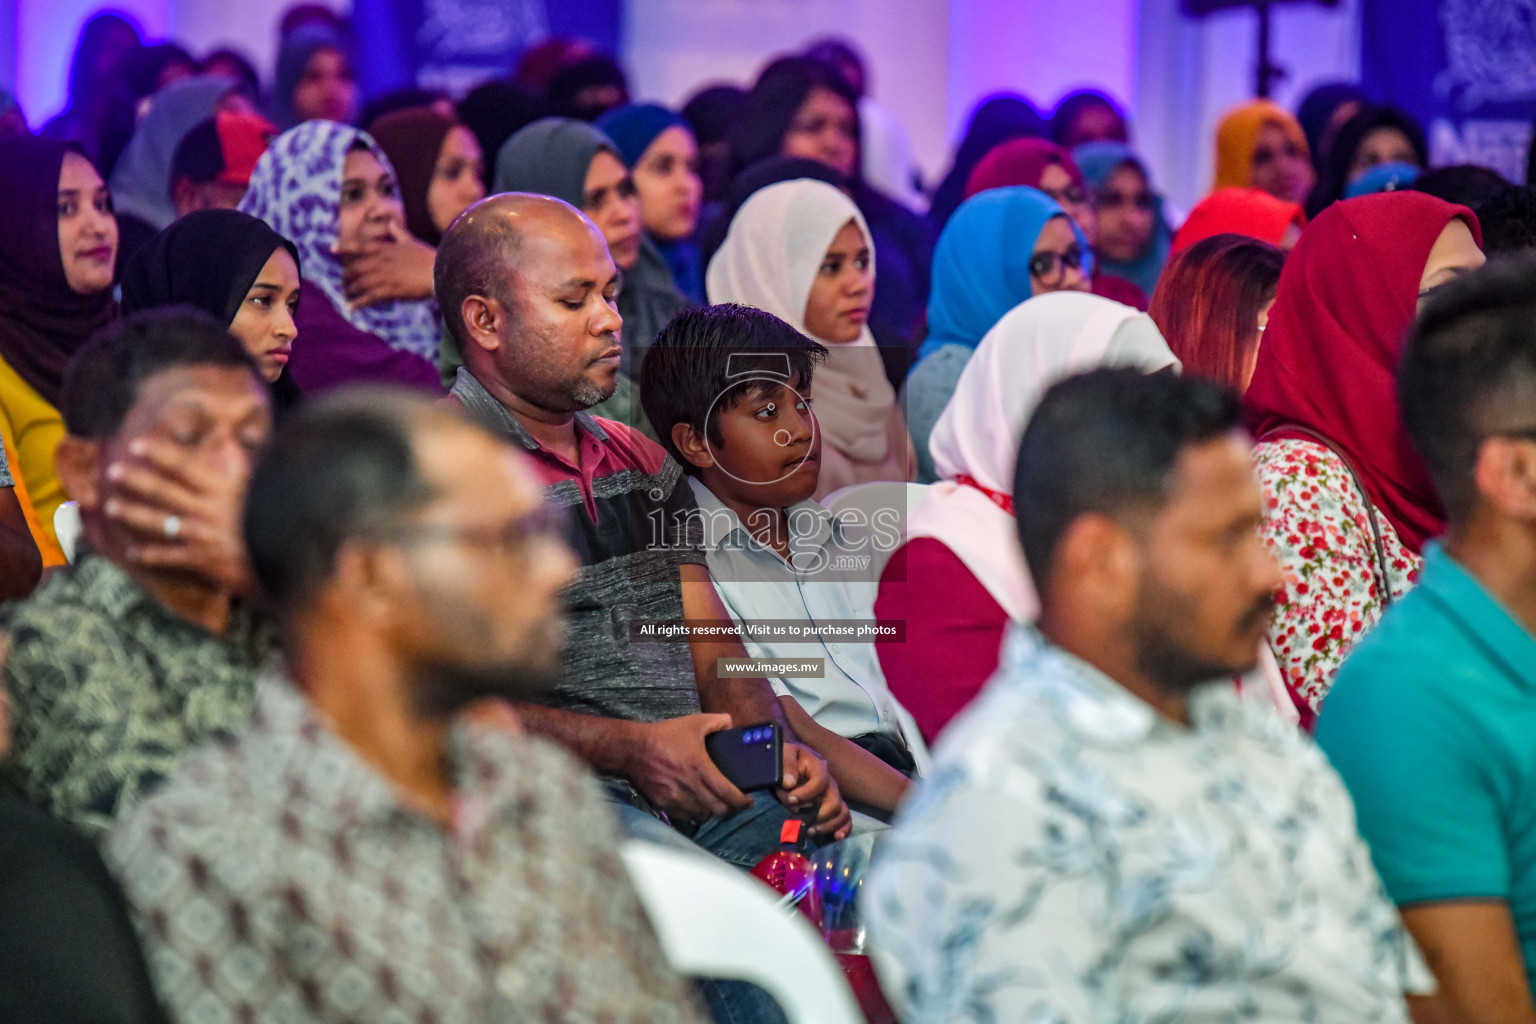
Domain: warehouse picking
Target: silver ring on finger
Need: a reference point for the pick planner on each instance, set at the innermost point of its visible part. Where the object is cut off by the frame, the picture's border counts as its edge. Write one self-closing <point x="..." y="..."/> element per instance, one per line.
<point x="172" y="527"/>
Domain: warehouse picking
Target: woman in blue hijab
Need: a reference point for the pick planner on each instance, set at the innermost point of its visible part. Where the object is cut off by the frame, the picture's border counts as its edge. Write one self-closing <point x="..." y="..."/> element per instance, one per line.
<point x="1000" y="247"/>
<point x="659" y="149"/>
<point x="1133" y="238"/>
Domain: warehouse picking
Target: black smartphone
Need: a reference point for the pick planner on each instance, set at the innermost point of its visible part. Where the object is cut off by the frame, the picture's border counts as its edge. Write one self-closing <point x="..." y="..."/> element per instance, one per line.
<point x="751" y="758"/>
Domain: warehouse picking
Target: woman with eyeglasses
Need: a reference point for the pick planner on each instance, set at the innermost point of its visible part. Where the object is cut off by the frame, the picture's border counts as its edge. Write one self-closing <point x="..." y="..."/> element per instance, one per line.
<point x="959" y="579"/>
<point x="1348" y="503"/>
<point x="801" y="250"/>
<point x="332" y="192"/>
<point x="1051" y="169"/>
<point x="1001" y="246"/>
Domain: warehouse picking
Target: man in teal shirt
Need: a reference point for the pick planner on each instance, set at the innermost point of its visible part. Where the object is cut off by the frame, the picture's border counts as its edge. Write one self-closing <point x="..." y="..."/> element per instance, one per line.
<point x="1432" y="719"/>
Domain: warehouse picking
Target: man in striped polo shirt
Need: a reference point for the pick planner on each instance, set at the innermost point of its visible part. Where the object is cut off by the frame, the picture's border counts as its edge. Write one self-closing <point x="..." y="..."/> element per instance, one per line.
<point x="526" y="285"/>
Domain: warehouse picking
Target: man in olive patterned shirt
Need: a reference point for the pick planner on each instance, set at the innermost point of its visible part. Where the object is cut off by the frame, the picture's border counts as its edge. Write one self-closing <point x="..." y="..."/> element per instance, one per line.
<point x="362" y="853"/>
<point x="122" y="662"/>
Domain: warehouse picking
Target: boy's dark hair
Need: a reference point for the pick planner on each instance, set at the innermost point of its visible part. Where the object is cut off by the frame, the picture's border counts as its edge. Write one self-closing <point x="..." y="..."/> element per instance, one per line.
<point x="343" y="467"/>
<point x="102" y="381"/>
<point x="1468" y="372"/>
<point x="1508" y="220"/>
<point x="707" y="360"/>
<point x="1107" y="441"/>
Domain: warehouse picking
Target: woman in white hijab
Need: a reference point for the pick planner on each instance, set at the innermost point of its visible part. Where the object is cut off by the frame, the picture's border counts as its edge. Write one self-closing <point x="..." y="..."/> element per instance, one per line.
<point x="960" y="577"/>
<point x="801" y="251"/>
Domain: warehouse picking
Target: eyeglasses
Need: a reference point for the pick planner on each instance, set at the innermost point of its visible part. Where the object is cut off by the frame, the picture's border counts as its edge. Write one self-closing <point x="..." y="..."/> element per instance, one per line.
<point x="509" y="539"/>
<point x="1051" y="267"/>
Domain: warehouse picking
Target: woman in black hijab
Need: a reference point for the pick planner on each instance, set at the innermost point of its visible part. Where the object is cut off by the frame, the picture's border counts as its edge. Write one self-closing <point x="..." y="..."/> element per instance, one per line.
<point x="996" y="120"/>
<point x="58" y="243"/>
<point x="236" y="269"/>
<point x="1376" y="135"/>
<point x="801" y="107"/>
<point x="1323" y="112"/>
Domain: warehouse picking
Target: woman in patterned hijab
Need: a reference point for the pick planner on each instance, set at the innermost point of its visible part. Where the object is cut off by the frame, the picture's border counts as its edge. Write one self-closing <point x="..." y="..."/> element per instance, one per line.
<point x="330" y="189"/>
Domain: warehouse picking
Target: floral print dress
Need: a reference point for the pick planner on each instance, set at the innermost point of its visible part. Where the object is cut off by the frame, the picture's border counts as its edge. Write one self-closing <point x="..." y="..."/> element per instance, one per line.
<point x="1316" y="523"/>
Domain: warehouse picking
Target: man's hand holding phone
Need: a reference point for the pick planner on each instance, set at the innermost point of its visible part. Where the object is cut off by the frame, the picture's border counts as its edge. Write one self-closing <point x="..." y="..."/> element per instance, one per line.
<point x="671" y="768"/>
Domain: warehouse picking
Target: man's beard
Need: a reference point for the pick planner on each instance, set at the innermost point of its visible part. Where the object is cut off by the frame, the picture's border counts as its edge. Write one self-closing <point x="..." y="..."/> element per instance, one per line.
<point x="583" y="394"/>
<point x="443" y="690"/>
<point x="1172" y="665"/>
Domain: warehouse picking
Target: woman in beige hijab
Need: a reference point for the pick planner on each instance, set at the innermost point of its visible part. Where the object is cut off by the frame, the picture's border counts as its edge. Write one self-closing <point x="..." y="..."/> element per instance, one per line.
<point x="801" y="251"/>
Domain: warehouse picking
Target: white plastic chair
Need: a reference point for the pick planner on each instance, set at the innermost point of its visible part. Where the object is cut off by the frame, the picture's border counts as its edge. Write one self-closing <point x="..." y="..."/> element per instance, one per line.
<point x="66" y="527"/>
<point x="715" y="922"/>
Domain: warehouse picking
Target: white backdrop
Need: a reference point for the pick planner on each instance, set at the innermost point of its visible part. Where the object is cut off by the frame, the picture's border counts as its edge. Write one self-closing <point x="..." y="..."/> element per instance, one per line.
<point x="1190" y="72"/>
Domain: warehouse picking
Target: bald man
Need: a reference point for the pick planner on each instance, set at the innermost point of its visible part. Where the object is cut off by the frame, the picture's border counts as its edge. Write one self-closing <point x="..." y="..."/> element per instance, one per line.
<point x="526" y="285"/>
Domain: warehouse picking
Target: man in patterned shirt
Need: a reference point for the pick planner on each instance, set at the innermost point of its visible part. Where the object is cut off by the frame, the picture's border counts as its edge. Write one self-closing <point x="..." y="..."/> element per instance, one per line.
<point x="143" y="648"/>
<point x="1108" y="834"/>
<point x="362" y="853"/>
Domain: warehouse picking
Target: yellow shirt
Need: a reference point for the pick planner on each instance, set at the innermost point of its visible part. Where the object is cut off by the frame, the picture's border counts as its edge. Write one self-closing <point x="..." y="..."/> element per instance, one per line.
<point x="34" y="429"/>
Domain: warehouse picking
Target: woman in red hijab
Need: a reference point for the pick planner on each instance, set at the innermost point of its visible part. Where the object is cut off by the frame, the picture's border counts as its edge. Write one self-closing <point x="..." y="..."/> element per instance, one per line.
<point x="1242" y="211"/>
<point x="1051" y="169"/>
<point x="1349" y="505"/>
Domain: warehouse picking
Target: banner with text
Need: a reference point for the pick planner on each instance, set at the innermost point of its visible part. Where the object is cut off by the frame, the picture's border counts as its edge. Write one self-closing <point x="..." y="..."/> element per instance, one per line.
<point x="456" y="44"/>
<point x="1466" y="68"/>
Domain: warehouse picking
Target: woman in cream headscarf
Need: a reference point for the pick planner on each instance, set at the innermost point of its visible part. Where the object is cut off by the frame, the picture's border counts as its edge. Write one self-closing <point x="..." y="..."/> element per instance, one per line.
<point x="960" y="577"/>
<point x="800" y="250"/>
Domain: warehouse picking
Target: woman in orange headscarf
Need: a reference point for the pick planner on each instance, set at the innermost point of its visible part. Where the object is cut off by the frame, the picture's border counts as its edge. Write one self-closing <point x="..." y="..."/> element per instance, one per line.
<point x="1260" y="145"/>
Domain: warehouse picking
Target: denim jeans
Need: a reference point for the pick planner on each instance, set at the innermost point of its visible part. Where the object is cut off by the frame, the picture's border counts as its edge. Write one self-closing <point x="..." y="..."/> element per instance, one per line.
<point x="742" y="839"/>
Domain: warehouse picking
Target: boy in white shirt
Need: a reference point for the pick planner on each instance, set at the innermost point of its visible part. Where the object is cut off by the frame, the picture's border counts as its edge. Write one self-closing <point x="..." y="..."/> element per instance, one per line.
<point x="728" y="390"/>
